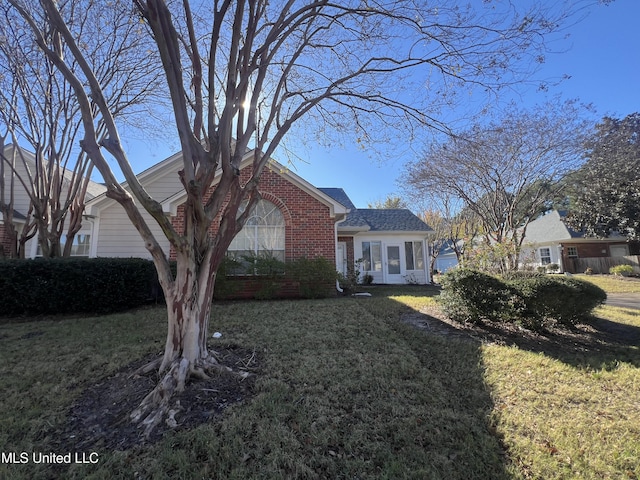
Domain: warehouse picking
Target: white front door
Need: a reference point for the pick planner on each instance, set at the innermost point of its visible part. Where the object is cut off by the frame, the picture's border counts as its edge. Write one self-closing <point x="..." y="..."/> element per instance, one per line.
<point x="393" y="265"/>
<point x="341" y="258"/>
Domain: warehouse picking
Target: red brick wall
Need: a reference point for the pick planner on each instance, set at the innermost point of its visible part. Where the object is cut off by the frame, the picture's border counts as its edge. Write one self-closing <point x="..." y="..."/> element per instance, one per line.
<point x="5" y="243"/>
<point x="586" y="250"/>
<point x="309" y="229"/>
<point x="590" y="250"/>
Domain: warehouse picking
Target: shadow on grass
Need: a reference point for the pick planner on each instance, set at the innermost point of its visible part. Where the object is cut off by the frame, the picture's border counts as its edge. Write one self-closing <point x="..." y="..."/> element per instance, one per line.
<point x="459" y="404"/>
<point x="596" y="343"/>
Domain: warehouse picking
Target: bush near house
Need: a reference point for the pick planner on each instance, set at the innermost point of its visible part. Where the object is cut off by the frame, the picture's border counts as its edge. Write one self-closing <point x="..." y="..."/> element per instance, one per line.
<point x="107" y="285"/>
<point x="532" y="300"/>
<point x="472" y="296"/>
<point x="74" y="285"/>
<point x="622" y="270"/>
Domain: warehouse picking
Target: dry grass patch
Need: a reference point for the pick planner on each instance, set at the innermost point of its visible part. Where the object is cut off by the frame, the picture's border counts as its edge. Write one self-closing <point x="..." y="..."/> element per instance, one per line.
<point x="569" y="417"/>
<point x="345" y="390"/>
<point x="613" y="283"/>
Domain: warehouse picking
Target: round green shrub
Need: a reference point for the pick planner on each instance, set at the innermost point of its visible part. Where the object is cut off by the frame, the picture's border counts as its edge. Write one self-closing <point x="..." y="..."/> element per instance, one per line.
<point x="472" y="296"/>
<point x="532" y="300"/>
<point x="565" y="300"/>
<point x="622" y="270"/>
<point x="579" y="299"/>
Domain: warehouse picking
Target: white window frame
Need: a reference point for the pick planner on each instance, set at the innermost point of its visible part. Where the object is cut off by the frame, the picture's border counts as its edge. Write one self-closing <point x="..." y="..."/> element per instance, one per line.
<point x="372" y="256"/>
<point x="572" y="252"/>
<point x="254" y="229"/>
<point x="85" y="247"/>
<point x="416" y="261"/>
<point x="545" y="259"/>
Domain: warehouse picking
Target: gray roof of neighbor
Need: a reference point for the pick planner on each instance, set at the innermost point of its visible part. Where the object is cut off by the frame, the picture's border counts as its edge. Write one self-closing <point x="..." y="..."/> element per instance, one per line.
<point x="550" y="227"/>
<point x="377" y="219"/>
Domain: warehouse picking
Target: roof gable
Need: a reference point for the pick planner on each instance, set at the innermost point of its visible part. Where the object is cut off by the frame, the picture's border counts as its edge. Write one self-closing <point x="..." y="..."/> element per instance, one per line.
<point x="376" y="219"/>
<point x="173" y="164"/>
<point x="550" y="227"/>
<point x="26" y="165"/>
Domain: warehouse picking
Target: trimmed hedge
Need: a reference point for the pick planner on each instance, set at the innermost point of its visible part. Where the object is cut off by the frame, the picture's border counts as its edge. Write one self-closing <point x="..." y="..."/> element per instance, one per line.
<point x="266" y="278"/>
<point x="563" y="299"/>
<point x="472" y="296"/>
<point x="106" y="285"/>
<point x="530" y="300"/>
<point x="74" y="285"/>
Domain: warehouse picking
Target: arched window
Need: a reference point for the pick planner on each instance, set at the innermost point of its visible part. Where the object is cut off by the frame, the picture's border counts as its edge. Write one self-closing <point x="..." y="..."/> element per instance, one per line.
<point x="263" y="234"/>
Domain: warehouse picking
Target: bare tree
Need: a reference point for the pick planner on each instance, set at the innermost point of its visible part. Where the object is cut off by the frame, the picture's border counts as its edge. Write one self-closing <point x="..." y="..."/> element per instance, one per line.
<point x="241" y="75"/>
<point x="452" y="227"/>
<point x="390" y="202"/>
<point x="505" y="173"/>
<point x="39" y="110"/>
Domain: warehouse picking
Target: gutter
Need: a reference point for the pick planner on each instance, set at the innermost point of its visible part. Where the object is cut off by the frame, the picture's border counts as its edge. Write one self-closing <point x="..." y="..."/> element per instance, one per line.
<point x="335" y="229"/>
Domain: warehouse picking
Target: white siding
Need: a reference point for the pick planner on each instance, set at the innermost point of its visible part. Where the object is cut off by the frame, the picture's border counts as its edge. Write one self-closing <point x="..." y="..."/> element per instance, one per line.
<point x="116" y="236"/>
<point x="530" y="254"/>
<point x="164" y="186"/>
<point x="406" y="276"/>
<point x="20" y="197"/>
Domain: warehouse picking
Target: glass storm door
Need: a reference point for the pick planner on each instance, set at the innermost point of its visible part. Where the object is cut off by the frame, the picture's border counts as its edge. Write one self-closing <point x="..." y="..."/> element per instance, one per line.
<point x="393" y="264"/>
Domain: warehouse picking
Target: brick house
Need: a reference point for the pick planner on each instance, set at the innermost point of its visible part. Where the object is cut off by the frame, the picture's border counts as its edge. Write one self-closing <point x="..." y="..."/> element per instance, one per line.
<point x="549" y="240"/>
<point x="293" y="219"/>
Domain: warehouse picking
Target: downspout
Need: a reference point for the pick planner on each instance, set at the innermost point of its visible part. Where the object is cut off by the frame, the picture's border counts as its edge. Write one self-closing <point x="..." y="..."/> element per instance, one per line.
<point x="335" y="229"/>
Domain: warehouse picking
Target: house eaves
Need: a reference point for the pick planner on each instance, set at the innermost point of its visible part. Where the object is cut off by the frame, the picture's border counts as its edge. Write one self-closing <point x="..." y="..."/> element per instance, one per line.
<point x="17" y="217"/>
<point x="336" y="209"/>
<point x="146" y="177"/>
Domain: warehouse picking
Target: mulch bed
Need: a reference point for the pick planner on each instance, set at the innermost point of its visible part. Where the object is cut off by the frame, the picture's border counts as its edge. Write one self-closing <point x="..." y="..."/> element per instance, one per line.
<point x="99" y="418"/>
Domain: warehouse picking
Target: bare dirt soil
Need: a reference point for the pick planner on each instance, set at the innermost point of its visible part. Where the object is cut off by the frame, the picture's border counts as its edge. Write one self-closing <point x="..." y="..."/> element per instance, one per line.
<point x="99" y="419"/>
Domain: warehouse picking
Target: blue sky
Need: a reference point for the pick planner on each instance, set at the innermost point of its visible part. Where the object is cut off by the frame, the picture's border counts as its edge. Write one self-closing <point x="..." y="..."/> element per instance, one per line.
<point x="602" y="58"/>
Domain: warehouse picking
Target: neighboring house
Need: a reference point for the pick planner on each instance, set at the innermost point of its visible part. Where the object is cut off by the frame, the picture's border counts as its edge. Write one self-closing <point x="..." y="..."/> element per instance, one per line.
<point x="446" y="258"/>
<point x="25" y="163"/>
<point x="549" y="240"/>
<point x="388" y="244"/>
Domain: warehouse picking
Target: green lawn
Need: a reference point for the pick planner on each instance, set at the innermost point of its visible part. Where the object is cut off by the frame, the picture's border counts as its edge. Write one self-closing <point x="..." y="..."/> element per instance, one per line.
<point x="613" y="284"/>
<point x="346" y="391"/>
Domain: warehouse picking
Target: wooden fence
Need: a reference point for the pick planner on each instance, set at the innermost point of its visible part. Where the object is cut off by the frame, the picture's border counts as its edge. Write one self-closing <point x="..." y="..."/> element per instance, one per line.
<point x="601" y="264"/>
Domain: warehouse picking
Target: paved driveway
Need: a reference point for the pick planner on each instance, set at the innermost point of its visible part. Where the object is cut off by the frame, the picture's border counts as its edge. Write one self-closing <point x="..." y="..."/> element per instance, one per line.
<point x="624" y="300"/>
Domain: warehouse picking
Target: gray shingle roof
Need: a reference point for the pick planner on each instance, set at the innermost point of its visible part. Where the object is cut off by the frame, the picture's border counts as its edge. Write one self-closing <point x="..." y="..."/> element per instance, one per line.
<point x="377" y="219"/>
<point x="339" y="195"/>
<point x="550" y="228"/>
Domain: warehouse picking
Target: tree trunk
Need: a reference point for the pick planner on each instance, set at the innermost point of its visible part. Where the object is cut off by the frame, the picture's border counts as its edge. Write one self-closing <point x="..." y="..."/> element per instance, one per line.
<point x="186" y="354"/>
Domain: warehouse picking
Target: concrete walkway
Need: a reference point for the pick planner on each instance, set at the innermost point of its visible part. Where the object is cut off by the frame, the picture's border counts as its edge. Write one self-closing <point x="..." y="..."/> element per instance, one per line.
<point x="624" y="300"/>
